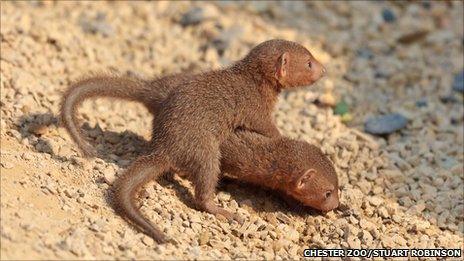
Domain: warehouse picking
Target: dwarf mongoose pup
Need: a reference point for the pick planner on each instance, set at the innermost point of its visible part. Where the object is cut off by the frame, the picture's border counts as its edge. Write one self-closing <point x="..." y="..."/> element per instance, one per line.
<point x="295" y="168"/>
<point x="199" y="114"/>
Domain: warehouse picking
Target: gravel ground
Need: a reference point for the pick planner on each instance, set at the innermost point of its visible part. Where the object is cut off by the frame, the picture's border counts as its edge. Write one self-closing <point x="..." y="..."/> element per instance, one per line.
<point x="403" y="190"/>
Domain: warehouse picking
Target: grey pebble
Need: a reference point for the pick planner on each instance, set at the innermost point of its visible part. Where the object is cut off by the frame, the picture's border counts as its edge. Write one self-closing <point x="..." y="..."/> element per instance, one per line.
<point x="385" y="124"/>
<point x="448" y="162"/>
<point x="388" y="15"/>
<point x="458" y="84"/>
<point x="97" y="25"/>
<point x="421" y="103"/>
<point x="365" y="53"/>
<point x="193" y="17"/>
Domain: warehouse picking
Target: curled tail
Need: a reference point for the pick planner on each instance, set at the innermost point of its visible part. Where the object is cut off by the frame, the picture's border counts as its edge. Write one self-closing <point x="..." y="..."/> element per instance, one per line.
<point x="99" y="86"/>
<point x="139" y="172"/>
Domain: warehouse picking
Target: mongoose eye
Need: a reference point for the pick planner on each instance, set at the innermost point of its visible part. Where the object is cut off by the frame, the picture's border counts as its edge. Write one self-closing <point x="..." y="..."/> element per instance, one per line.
<point x="310" y="65"/>
<point x="328" y="194"/>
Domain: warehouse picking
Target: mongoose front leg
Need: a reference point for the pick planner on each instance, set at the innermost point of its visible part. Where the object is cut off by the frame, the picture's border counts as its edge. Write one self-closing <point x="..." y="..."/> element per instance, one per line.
<point x="263" y="125"/>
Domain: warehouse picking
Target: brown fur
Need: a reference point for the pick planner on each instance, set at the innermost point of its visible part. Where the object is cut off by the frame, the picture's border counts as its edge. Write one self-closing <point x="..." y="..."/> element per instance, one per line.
<point x="201" y="113"/>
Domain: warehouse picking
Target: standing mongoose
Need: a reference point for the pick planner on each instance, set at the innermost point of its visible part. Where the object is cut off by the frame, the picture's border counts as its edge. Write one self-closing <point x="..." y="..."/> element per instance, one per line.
<point x="148" y="92"/>
<point x="199" y="114"/>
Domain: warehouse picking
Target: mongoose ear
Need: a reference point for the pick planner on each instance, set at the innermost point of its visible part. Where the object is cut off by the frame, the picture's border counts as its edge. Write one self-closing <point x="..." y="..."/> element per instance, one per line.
<point x="282" y="66"/>
<point x="304" y="178"/>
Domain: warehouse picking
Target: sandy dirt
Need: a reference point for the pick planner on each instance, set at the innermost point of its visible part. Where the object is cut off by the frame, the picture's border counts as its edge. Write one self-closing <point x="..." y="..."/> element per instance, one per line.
<point x="403" y="190"/>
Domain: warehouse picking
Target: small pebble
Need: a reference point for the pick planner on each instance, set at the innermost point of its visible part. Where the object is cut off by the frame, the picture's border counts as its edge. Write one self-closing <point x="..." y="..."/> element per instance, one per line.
<point x="148" y="241"/>
<point x="365" y="53"/>
<point x="458" y="83"/>
<point x="448" y="99"/>
<point x="375" y="201"/>
<point x="327" y="99"/>
<point x="385" y="124"/>
<point x="97" y="25"/>
<point x="388" y="15"/>
<point x="341" y="108"/>
<point x="421" y="103"/>
<point x="7" y="165"/>
<point x="38" y="129"/>
<point x="203" y="239"/>
<point x="426" y="4"/>
<point x="284" y="218"/>
<point x="193" y="17"/>
<point x="347" y="117"/>
<point x="109" y="176"/>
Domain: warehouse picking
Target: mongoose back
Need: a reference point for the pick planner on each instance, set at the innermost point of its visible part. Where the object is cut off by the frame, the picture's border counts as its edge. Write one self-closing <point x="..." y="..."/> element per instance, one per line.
<point x="200" y="113"/>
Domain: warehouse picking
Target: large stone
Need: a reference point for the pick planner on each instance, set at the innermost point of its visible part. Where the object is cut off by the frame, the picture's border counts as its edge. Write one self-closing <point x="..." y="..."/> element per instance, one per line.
<point x="385" y="124"/>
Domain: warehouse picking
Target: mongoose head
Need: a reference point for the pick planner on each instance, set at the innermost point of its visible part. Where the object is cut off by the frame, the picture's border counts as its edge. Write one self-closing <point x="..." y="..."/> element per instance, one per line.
<point x="287" y="63"/>
<point x="317" y="185"/>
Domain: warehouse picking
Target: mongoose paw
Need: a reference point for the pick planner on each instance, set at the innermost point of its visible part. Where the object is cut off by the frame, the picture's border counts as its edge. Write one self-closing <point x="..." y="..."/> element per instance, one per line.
<point x="161" y="239"/>
<point x="231" y="216"/>
<point x="211" y="208"/>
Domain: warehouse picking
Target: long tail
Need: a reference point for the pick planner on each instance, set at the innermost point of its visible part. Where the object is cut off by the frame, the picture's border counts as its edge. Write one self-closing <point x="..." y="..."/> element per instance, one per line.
<point x="142" y="170"/>
<point x="99" y="86"/>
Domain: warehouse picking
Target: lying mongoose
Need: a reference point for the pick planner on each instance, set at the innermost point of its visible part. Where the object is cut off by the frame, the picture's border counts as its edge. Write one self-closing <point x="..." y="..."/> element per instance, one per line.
<point x="199" y="114"/>
<point x="294" y="168"/>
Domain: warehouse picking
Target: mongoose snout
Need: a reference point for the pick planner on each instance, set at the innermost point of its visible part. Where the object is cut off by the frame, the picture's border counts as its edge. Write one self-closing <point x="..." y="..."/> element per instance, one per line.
<point x="317" y="70"/>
